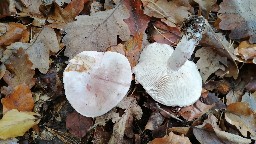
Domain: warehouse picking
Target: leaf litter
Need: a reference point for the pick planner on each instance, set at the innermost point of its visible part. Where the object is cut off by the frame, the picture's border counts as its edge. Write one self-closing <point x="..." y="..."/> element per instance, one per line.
<point x="37" y="39"/>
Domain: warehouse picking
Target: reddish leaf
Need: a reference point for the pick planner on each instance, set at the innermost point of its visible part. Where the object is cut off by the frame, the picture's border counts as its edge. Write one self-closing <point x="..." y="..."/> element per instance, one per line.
<point x="165" y="34"/>
<point x="137" y="21"/>
<point x="21" y="99"/>
<point x="77" y="124"/>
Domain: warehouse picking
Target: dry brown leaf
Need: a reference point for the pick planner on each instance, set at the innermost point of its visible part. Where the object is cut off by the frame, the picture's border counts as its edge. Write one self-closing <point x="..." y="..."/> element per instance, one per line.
<point x="209" y="62"/>
<point x="15" y="123"/>
<point x="13" y="32"/>
<point x="31" y="7"/>
<point x="239" y="17"/>
<point x="19" y="70"/>
<point x="171" y="138"/>
<point x="5" y="10"/>
<point x="240" y="115"/>
<point x="222" y="47"/>
<point x="21" y="99"/>
<point x="123" y="125"/>
<point x="77" y="124"/>
<point x="170" y="12"/>
<point x="246" y="51"/>
<point x="60" y="17"/>
<point x="194" y="111"/>
<point x="96" y="32"/>
<point x="40" y="47"/>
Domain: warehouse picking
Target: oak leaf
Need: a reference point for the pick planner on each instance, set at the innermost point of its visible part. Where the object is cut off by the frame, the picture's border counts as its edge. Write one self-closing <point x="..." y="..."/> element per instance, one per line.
<point x="19" y="70"/>
<point x="246" y="51"/>
<point x="15" y="123"/>
<point x="96" y="32"/>
<point x="21" y="99"/>
<point x="239" y="17"/>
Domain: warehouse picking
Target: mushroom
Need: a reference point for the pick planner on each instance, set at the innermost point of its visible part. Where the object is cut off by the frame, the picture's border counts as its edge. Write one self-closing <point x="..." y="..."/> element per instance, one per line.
<point x="166" y="74"/>
<point x="95" y="82"/>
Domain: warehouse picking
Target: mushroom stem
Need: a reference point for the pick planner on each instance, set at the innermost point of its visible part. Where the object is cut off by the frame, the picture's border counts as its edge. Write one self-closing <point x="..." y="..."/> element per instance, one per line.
<point x="193" y="29"/>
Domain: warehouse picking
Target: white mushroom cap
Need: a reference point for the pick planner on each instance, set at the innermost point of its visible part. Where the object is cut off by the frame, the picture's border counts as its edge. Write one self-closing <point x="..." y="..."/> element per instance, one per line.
<point x="95" y="82"/>
<point x="169" y="87"/>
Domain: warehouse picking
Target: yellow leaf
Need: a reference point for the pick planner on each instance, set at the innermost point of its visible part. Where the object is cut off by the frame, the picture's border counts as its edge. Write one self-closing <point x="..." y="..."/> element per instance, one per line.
<point x="15" y="123"/>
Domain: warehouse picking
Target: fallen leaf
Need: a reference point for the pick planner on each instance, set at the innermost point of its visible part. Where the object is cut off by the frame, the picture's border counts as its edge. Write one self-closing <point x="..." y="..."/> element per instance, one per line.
<point x="171" y="138"/>
<point x="155" y="120"/>
<point x="15" y="123"/>
<point x="21" y="99"/>
<point x="206" y="4"/>
<point x="221" y="86"/>
<point x="210" y="132"/>
<point x="246" y="51"/>
<point x="60" y="17"/>
<point x="162" y="33"/>
<point x="7" y="8"/>
<point x="124" y="123"/>
<point x="96" y="32"/>
<point x="194" y="111"/>
<point x="13" y="32"/>
<point x="240" y="115"/>
<point x="222" y="47"/>
<point x="19" y="70"/>
<point x="239" y="17"/>
<point x="209" y="62"/>
<point x="77" y="124"/>
<point x="250" y="98"/>
<point x="170" y="12"/>
<point x="31" y="8"/>
<point x="39" y="48"/>
<point x="137" y="21"/>
<point x="133" y="48"/>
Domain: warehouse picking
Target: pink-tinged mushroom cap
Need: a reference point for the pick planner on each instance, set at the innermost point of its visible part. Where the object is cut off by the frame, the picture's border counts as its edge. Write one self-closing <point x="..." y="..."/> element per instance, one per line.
<point x="95" y="82"/>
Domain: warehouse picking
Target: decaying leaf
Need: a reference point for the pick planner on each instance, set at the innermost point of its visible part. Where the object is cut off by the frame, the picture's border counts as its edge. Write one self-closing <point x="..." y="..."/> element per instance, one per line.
<point x="21" y="99"/>
<point x="194" y="111"/>
<point x="15" y="123"/>
<point x="77" y="124"/>
<point x="171" y="138"/>
<point x="170" y="12"/>
<point x="209" y="62"/>
<point x="39" y="48"/>
<point x="240" y="115"/>
<point x="239" y="17"/>
<point x="96" y="32"/>
<point x="19" y="70"/>
<point x="13" y="32"/>
<point x="6" y="8"/>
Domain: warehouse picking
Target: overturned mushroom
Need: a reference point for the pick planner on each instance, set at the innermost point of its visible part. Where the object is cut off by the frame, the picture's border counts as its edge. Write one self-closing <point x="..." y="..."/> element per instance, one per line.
<point x="95" y="82"/>
<point x="166" y="74"/>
